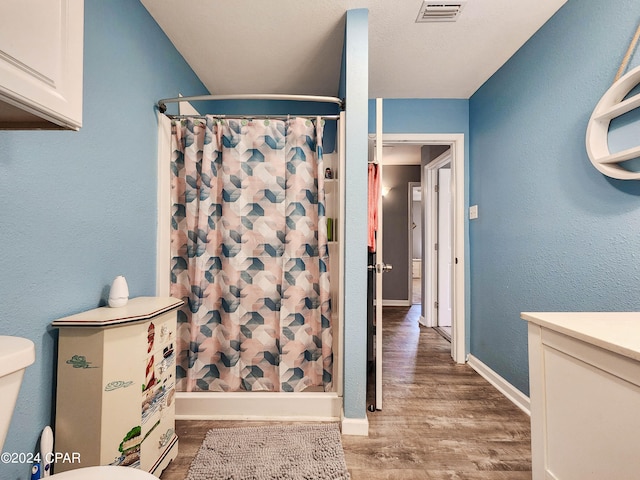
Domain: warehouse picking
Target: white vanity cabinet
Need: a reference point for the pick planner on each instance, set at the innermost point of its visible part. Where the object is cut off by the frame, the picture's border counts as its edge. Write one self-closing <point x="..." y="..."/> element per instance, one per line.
<point x="115" y="398"/>
<point x="41" y="45"/>
<point x="584" y="371"/>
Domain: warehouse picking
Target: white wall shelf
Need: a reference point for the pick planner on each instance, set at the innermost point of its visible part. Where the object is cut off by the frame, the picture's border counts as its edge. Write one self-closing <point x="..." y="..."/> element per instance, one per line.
<point x="612" y="105"/>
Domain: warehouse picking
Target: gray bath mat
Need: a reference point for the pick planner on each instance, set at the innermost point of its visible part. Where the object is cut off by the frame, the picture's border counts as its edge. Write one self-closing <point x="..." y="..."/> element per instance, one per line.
<point x="278" y="452"/>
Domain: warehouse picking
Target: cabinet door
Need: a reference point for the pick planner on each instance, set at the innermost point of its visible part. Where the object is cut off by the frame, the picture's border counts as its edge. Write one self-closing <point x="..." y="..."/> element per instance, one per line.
<point x="41" y="63"/>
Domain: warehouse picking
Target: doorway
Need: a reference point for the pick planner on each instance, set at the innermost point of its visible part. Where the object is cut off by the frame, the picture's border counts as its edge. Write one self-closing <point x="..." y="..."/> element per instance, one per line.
<point x="415" y="242"/>
<point x="454" y="145"/>
<point x="454" y="158"/>
<point x="439" y="217"/>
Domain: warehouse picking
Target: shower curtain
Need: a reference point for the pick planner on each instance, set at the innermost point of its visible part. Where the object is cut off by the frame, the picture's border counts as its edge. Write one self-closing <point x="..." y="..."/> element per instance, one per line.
<point x="250" y="255"/>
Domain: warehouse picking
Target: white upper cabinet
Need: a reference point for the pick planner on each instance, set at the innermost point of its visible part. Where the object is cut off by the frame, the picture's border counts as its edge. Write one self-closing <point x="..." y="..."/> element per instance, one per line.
<point x="41" y="64"/>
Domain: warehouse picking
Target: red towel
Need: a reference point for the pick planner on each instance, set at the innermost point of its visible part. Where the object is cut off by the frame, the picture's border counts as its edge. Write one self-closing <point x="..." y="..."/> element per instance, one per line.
<point x="374" y="195"/>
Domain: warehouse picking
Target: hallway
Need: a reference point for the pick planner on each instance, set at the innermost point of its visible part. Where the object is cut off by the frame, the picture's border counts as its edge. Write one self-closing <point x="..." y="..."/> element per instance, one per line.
<point x="440" y="420"/>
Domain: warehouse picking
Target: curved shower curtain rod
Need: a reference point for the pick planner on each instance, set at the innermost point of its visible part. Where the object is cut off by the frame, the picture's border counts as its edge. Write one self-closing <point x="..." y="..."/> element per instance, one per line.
<point x="300" y="98"/>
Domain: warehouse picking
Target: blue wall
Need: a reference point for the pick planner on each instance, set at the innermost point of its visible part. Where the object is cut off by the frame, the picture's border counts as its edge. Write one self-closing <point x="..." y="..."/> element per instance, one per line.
<point x="428" y="116"/>
<point x="553" y="234"/>
<point x="79" y="208"/>
<point x="420" y="115"/>
<point x="355" y="261"/>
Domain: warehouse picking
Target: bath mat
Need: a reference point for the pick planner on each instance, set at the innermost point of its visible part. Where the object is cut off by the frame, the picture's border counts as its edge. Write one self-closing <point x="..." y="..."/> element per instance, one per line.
<point x="277" y="452"/>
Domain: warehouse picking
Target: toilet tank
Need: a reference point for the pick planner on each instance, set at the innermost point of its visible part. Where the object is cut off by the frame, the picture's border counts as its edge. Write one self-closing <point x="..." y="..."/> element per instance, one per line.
<point x="16" y="354"/>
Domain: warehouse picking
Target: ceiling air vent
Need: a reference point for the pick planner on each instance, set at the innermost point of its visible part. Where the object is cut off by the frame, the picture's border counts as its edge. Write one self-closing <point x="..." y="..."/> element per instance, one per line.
<point x="433" y="11"/>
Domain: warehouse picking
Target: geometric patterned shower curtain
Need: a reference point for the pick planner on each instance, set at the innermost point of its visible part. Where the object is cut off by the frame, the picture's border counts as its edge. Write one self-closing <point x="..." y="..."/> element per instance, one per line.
<point x="249" y="255"/>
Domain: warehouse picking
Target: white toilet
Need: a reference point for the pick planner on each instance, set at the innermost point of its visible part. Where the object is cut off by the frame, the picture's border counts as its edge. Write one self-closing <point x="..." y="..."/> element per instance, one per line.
<point x="16" y="354"/>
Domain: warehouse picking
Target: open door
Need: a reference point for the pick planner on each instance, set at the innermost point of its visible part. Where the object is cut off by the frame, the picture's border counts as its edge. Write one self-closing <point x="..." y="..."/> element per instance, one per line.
<point x="444" y="242"/>
<point x="378" y="268"/>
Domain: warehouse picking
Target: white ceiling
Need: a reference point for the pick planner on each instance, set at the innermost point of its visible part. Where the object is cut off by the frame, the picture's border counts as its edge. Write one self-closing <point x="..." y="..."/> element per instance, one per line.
<point x="295" y="46"/>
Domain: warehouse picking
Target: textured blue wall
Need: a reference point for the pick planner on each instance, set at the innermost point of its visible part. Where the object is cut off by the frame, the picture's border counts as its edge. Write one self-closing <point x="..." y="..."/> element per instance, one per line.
<point x="421" y="115"/>
<point x="553" y="234"/>
<point x="355" y="280"/>
<point x="428" y="116"/>
<point x="79" y="208"/>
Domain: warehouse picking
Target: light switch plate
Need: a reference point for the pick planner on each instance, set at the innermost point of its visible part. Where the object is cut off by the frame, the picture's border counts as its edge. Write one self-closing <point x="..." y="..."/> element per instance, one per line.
<point x="473" y="212"/>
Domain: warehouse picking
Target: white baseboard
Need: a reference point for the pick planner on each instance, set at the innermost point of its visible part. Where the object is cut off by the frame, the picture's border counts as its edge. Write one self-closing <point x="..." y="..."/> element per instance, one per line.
<point x="284" y="406"/>
<point x="422" y="321"/>
<point x="395" y="303"/>
<point x="518" y="398"/>
<point x="355" y="426"/>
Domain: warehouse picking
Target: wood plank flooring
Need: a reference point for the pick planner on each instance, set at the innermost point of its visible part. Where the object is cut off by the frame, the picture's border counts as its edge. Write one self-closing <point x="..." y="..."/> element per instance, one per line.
<point x="440" y="421"/>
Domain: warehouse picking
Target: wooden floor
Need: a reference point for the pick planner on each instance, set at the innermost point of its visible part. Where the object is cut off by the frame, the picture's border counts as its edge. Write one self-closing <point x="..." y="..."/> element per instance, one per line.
<point x="440" y="420"/>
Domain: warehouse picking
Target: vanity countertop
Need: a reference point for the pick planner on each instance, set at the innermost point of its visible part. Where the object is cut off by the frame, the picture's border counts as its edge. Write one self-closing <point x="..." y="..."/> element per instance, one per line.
<point x="617" y="332"/>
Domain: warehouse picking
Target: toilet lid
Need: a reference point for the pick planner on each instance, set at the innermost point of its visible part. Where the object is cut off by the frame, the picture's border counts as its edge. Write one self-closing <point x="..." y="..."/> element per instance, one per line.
<point x="104" y="473"/>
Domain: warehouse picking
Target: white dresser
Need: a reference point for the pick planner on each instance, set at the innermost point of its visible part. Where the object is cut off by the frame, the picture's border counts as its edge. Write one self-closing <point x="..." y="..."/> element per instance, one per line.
<point x="584" y="371"/>
<point x="116" y="385"/>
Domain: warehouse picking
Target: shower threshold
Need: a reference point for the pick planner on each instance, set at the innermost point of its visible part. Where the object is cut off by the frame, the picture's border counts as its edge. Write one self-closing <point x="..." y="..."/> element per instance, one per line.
<point x="315" y="406"/>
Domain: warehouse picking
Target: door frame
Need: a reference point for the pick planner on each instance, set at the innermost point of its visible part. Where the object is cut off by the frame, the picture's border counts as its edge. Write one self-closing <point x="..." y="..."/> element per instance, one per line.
<point x="455" y="141"/>
<point x="431" y="230"/>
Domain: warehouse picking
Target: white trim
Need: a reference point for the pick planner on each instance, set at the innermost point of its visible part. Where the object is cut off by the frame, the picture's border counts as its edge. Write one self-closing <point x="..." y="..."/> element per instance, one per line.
<point x="379" y="263"/>
<point x="428" y="255"/>
<point x="163" y="254"/>
<point x="422" y="321"/>
<point x="456" y="144"/>
<point x="185" y="108"/>
<point x="396" y="303"/>
<point x="518" y="398"/>
<point x="411" y="186"/>
<point x="459" y="221"/>
<point x="283" y="406"/>
<point x="355" y="426"/>
<point x="339" y="374"/>
<point x="430" y="199"/>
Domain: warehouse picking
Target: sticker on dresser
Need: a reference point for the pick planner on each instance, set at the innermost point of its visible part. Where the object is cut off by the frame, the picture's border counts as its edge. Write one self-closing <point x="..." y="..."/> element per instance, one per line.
<point x="111" y="386"/>
<point x="129" y="449"/>
<point x="80" y="361"/>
